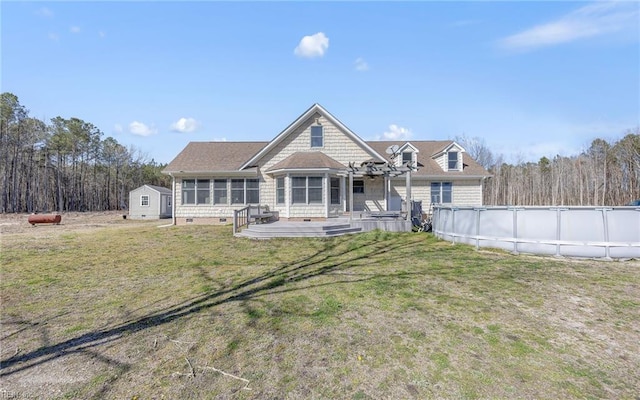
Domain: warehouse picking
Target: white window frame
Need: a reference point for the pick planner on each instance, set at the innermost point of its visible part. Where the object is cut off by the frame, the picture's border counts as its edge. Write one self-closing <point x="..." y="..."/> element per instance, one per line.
<point x="196" y="190"/>
<point x="280" y="190"/>
<point x="245" y="190"/>
<point x="442" y="188"/>
<point x="142" y="200"/>
<point x="307" y="188"/>
<point x="410" y="153"/>
<point x="219" y="190"/>
<point x="316" y="136"/>
<point x="456" y="166"/>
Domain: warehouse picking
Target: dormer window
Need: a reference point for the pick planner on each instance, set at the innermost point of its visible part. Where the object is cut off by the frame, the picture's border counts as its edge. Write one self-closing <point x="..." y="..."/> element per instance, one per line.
<point x="453" y="161"/>
<point x="317" y="136"/>
<point x="407" y="157"/>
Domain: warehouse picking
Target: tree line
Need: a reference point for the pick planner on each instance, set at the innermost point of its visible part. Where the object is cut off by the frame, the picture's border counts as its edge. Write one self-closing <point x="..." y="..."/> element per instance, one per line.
<point x="605" y="174"/>
<point x="65" y="164"/>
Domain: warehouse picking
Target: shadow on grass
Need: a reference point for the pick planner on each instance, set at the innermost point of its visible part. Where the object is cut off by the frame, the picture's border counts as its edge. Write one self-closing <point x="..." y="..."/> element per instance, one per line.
<point x="335" y="256"/>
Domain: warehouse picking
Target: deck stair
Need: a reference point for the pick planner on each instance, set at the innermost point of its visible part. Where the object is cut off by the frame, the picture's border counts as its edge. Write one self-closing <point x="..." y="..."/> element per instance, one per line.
<point x="298" y="229"/>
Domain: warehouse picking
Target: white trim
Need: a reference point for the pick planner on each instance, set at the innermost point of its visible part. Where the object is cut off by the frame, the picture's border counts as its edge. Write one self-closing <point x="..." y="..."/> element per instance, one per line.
<point x="447" y="148"/>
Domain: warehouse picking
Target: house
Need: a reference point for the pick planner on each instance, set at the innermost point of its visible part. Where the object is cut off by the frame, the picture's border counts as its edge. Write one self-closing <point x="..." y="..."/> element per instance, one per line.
<point x="317" y="169"/>
<point x="150" y="202"/>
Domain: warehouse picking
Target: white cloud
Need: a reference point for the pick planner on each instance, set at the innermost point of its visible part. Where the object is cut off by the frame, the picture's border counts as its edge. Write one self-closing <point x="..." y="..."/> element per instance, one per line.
<point x="396" y="132"/>
<point x="596" y="19"/>
<point x="74" y="29"/>
<point x="45" y="12"/>
<point x="361" y="64"/>
<point x="312" y="46"/>
<point x="140" y="129"/>
<point x="185" y="125"/>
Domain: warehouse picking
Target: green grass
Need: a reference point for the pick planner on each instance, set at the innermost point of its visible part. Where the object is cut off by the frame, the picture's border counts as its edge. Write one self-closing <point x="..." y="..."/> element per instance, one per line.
<point x="138" y="311"/>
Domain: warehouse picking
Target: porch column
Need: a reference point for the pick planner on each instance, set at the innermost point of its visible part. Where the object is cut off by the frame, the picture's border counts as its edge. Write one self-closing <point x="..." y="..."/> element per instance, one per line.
<point x="387" y="192"/>
<point x="350" y="192"/>
<point x="287" y="194"/>
<point x="327" y="194"/>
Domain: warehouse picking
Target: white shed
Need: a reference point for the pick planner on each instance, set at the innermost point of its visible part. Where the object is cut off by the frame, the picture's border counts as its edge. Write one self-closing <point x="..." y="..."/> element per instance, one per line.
<point x="150" y="202"/>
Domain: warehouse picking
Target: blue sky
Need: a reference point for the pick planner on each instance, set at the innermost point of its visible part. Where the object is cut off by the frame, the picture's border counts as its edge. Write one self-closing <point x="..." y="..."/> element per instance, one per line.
<point x="532" y="79"/>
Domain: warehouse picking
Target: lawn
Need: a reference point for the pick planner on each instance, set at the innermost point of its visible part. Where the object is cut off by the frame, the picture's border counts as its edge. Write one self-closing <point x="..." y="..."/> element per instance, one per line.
<point x="140" y="312"/>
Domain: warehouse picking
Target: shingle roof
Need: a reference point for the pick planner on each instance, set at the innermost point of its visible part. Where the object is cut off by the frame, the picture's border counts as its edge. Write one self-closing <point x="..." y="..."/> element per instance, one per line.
<point x="213" y="156"/>
<point x="428" y="148"/>
<point x="230" y="156"/>
<point x="307" y="160"/>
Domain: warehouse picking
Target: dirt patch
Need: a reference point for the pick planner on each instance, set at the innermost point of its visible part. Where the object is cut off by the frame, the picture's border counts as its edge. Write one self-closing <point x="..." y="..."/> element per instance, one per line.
<point x="71" y="222"/>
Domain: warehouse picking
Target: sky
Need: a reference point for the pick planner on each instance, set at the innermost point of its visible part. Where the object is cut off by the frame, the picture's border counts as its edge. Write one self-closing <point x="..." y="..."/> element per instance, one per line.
<point x="529" y="79"/>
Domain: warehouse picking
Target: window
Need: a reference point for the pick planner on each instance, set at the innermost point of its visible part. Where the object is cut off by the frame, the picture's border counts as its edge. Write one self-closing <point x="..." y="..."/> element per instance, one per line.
<point x="237" y="191"/>
<point x="196" y="191"/>
<point x="335" y="191"/>
<point x="144" y="200"/>
<point x="189" y="191"/>
<point x="220" y="191"/>
<point x="407" y="157"/>
<point x="299" y="189"/>
<point x="242" y="189"/>
<point x="280" y="190"/>
<point x="253" y="191"/>
<point x="453" y="160"/>
<point x="316" y="136"/>
<point x="315" y="189"/>
<point x="306" y="190"/>
<point x="358" y="187"/>
<point x="441" y="192"/>
<point x="202" y="188"/>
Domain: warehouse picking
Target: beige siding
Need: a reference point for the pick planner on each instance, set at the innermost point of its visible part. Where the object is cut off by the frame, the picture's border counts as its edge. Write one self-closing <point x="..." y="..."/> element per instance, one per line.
<point x="467" y="193"/>
<point x="337" y="145"/>
<point x="464" y="193"/>
<point x="442" y="161"/>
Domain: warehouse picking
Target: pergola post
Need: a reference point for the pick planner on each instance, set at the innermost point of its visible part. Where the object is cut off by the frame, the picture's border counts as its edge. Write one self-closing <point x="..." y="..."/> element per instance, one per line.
<point x="350" y="194"/>
<point x="408" y="191"/>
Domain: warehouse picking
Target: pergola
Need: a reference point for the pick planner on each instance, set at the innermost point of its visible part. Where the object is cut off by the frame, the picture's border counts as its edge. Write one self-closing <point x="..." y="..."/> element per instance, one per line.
<point x="375" y="169"/>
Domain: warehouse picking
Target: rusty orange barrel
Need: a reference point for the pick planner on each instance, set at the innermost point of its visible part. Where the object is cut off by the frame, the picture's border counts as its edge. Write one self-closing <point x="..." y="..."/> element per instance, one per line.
<point x="45" y="219"/>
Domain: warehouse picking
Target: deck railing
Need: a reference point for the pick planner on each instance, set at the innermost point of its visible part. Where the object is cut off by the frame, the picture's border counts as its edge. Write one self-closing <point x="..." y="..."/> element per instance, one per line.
<point x="240" y="218"/>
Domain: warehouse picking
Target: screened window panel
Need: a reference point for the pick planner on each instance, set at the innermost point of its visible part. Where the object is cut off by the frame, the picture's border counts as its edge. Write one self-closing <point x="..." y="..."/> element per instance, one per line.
<point x="237" y="191"/>
<point x="335" y="191"/>
<point x="280" y="191"/>
<point x="220" y="191"/>
<point x="202" y="187"/>
<point x="189" y="191"/>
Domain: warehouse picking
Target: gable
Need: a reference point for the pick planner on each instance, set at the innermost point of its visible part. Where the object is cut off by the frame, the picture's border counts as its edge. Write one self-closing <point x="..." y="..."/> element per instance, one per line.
<point x="339" y="142"/>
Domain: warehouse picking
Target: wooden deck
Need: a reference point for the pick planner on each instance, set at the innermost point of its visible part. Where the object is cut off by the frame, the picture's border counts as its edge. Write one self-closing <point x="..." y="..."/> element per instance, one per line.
<point x="329" y="228"/>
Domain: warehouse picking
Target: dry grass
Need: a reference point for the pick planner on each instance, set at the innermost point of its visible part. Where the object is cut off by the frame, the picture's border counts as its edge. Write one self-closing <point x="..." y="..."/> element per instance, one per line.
<point x="135" y="311"/>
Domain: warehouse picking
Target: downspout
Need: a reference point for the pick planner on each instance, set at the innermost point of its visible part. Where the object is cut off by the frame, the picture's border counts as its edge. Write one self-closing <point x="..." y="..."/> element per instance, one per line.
<point x="173" y="199"/>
